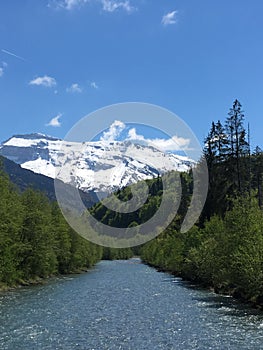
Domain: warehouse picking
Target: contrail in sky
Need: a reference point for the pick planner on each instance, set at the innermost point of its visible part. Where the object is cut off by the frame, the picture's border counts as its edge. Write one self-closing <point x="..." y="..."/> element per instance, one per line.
<point x="12" y="54"/>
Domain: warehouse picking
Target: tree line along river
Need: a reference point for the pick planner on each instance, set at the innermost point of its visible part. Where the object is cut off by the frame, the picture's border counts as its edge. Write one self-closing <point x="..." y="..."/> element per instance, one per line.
<point x="125" y="305"/>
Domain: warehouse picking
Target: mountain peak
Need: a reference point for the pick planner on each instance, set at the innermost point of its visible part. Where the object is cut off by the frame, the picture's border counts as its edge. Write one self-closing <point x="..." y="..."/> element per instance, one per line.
<point x="33" y="136"/>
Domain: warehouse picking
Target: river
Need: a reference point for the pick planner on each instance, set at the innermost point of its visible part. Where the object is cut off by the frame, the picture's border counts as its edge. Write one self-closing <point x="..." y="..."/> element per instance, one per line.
<point x="125" y="305"/>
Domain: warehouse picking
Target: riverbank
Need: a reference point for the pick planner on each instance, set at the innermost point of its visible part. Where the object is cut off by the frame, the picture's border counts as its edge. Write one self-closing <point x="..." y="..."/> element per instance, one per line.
<point x="224" y="289"/>
<point x="36" y="281"/>
<point x="225" y="254"/>
<point x="111" y="254"/>
<point x="39" y="280"/>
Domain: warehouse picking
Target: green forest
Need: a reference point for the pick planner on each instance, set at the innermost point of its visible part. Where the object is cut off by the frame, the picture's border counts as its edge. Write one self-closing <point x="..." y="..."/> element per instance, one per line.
<point x="35" y="240"/>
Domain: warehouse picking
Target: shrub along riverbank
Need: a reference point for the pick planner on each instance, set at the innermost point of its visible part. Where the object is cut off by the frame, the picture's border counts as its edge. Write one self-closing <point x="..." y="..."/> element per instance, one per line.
<point x="227" y="254"/>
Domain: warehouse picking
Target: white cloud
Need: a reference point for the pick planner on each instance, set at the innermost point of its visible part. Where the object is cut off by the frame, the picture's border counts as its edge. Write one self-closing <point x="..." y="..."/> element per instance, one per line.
<point x="114" y="131"/>
<point x="169" y="18"/>
<point x="74" y="88"/>
<point x="44" y="81"/>
<point x="94" y="85"/>
<point x="69" y="4"/>
<point x="107" y="5"/>
<point x="4" y="65"/>
<point x="172" y="144"/>
<point x="66" y="4"/>
<point x="55" y="122"/>
<point x="113" y="5"/>
<point x="132" y="135"/>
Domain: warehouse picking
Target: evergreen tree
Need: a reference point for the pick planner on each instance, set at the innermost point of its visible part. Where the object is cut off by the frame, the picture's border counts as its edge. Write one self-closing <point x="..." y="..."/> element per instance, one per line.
<point x="257" y="178"/>
<point x="238" y="148"/>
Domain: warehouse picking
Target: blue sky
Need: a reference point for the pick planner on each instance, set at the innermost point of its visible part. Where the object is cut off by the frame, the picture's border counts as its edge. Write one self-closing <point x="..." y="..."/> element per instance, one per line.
<point x="66" y="59"/>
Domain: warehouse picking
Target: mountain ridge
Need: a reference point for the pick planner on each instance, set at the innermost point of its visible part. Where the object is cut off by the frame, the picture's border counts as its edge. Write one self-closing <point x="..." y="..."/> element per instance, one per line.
<point x="98" y="166"/>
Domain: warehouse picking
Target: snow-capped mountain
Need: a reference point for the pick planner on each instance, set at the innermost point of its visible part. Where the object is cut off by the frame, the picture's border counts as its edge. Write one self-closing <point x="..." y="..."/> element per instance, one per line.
<point x="91" y="166"/>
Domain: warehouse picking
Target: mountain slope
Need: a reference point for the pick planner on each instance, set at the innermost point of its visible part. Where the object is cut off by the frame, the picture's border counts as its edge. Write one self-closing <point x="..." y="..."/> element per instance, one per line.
<point x="91" y="166"/>
<point x="24" y="179"/>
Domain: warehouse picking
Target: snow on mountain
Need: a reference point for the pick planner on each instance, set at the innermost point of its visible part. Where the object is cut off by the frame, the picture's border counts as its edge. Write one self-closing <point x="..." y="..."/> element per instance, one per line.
<point x="91" y="166"/>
